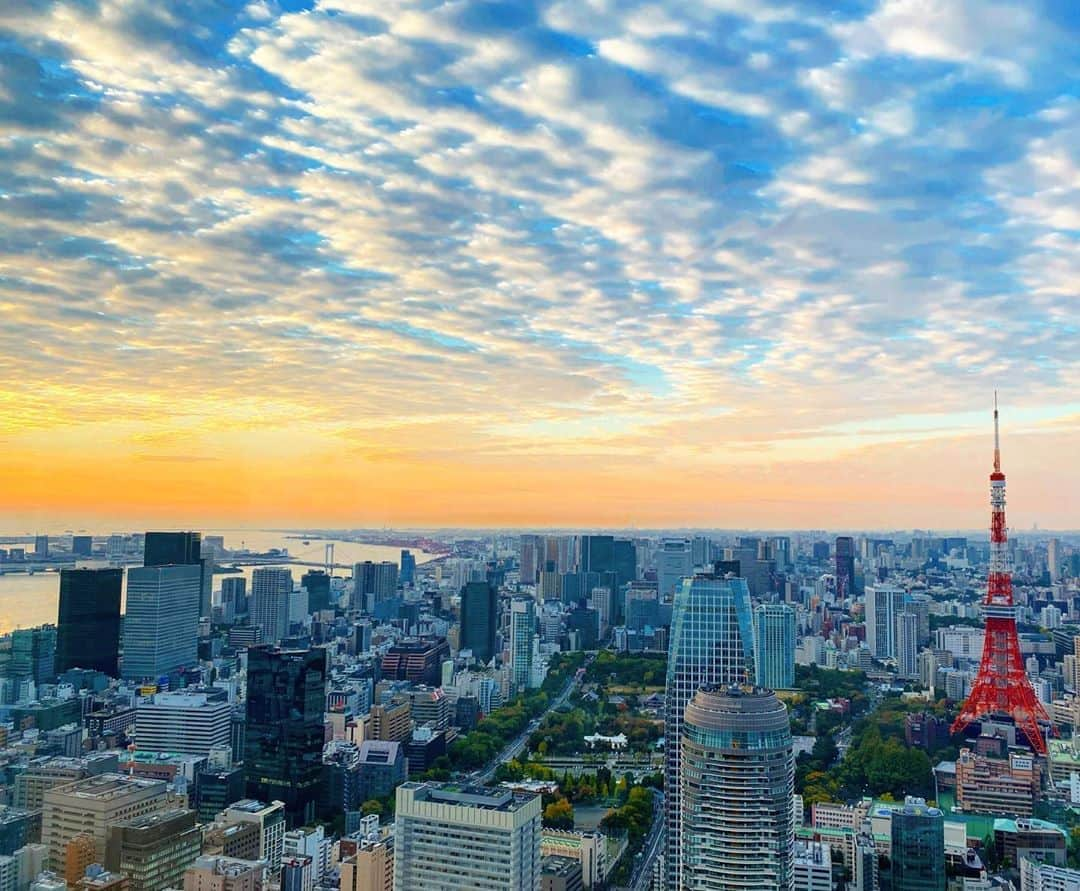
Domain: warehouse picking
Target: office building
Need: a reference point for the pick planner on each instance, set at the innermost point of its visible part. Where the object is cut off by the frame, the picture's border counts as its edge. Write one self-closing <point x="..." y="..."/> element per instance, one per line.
<point x="373" y="583"/>
<point x="79" y="853"/>
<point x="283" y="733"/>
<point x="371" y="867"/>
<point x="317" y="584"/>
<point x="234" y="591"/>
<point x="270" y="823"/>
<point x="33" y="655"/>
<point x="522" y="632"/>
<point x="812" y="866"/>
<point x="845" y="568"/>
<point x="88" y="624"/>
<point x="589" y="849"/>
<point x="41" y="546"/>
<point x="180" y="549"/>
<point x="560" y="874"/>
<point x="986" y="785"/>
<point x="711" y="645"/>
<point x="407" y="573"/>
<point x="154" y="850"/>
<point x="82" y="545"/>
<point x="416" y="660"/>
<point x="188" y="721"/>
<point x="737" y="784"/>
<point x="391" y="721"/>
<point x="17" y="828"/>
<point x="468" y="838"/>
<point x="864" y="862"/>
<point x="674" y="562"/>
<point x="625" y="561"/>
<point x="530" y="556"/>
<point x="1038" y="876"/>
<point x="97" y="878"/>
<point x="479" y="619"/>
<point x="224" y="874"/>
<point x="884" y="603"/>
<point x="217" y="789"/>
<point x="92" y="805"/>
<point x="774" y="645"/>
<point x="297" y="874"/>
<point x="161" y="623"/>
<point x="268" y="608"/>
<point x="917" y="848"/>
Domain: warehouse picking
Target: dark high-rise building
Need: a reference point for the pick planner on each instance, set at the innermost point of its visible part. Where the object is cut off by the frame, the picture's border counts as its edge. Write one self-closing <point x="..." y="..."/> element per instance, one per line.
<point x="216" y="789"/>
<point x="283" y="734"/>
<point x="82" y="545"/>
<point x="597" y="553"/>
<point x="234" y="590"/>
<point x="41" y="546"/>
<point x="180" y="549"/>
<point x="317" y="584"/>
<point x="373" y="584"/>
<point x="625" y="561"/>
<point x="479" y="618"/>
<point x="845" y="567"/>
<point x="408" y="568"/>
<point x="88" y="625"/>
<point x="820" y="551"/>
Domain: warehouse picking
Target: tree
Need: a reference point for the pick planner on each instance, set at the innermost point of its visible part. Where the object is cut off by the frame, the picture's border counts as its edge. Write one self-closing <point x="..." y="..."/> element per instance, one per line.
<point x="559" y="815"/>
<point x="371" y="806"/>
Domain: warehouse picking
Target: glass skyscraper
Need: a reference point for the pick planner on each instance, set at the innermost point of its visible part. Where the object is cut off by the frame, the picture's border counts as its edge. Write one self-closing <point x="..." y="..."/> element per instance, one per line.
<point x="479" y="616"/>
<point x="283" y="734"/>
<point x="711" y="645"/>
<point x="737" y="784"/>
<point x="774" y="646"/>
<point x="161" y="622"/>
<point x="918" y="847"/>
<point x="88" y="627"/>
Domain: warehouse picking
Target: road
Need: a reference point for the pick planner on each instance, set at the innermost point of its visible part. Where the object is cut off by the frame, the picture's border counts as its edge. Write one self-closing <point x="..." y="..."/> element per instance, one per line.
<point x="514" y="748"/>
<point x="642" y="874"/>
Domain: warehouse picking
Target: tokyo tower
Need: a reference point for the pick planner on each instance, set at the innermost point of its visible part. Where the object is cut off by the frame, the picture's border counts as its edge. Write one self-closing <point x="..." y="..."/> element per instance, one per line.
<point x="1002" y="686"/>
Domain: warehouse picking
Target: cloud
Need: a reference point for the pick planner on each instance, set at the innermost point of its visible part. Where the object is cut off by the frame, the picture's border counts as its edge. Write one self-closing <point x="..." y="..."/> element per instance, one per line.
<point x="626" y="232"/>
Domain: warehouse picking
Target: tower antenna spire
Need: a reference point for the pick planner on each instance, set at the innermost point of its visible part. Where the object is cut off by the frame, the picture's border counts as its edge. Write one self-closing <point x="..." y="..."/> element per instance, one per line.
<point x="997" y="441"/>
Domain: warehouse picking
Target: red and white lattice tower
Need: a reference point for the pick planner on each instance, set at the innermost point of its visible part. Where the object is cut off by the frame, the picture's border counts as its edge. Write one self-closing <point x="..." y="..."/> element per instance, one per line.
<point x="1002" y="686"/>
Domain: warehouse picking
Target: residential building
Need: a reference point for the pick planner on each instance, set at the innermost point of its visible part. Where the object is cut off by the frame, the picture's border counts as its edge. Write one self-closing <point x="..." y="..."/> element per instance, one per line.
<point x="88" y="624"/>
<point x="268" y="608"/>
<point x="209" y="873"/>
<point x="373" y="584"/>
<point x="884" y="603"/>
<point x="1037" y="876"/>
<point x="317" y="584"/>
<point x="371" y="867"/>
<point x="522" y="632"/>
<point x="33" y="654"/>
<point x="774" y="645"/>
<point x="467" y="838"/>
<point x="737" y="782"/>
<point x="907" y="645"/>
<point x="987" y="785"/>
<point x="711" y="644"/>
<point x="812" y="866"/>
<point x="270" y="821"/>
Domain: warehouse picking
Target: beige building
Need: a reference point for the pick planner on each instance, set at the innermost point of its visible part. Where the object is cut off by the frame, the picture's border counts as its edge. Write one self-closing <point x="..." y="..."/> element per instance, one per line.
<point x="995" y="786"/>
<point x="371" y="868"/>
<point x="153" y="850"/>
<point x="390" y="722"/>
<point x="94" y="804"/>
<point x="224" y="874"/>
<point x="588" y="848"/>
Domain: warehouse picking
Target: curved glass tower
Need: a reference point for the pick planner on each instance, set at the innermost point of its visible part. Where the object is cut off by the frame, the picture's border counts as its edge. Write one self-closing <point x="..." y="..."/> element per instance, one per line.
<point x="737" y="783"/>
<point x="711" y="644"/>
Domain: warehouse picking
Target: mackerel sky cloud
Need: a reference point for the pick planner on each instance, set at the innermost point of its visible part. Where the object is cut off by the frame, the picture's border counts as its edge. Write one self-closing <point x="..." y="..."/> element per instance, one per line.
<point x="726" y="263"/>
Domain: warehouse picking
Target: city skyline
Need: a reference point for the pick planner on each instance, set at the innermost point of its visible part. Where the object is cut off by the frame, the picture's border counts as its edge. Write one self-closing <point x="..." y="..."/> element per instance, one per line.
<point x="537" y="264"/>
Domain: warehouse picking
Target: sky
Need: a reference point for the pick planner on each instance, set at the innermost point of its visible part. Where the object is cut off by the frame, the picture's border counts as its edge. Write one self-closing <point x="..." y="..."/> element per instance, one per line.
<point x="582" y="263"/>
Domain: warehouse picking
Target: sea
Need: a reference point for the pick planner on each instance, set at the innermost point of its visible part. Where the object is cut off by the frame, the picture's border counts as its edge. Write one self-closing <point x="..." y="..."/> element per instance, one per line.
<point x="29" y="600"/>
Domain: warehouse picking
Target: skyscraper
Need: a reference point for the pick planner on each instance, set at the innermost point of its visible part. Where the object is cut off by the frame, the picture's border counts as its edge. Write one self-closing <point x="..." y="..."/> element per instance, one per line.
<point x="711" y="644"/>
<point x="625" y="561"/>
<point x="883" y="604"/>
<point x="455" y="838"/>
<point x="271" y="588"/>
<point x="408" y="567"/>
<point x="737" y="784"/>
<point x="479" y="617"/>
<point x="774" y="645"/>
<point x="161" y="624"/>
<point x="597" y="553"/>
<point x="674" y="562"/>
<point x="1053" y="559"/>
<point x="317" y="584"/>
<point x="845" y="567"/>
<point x="522" y="631"/>
<point x="234" y="590"/>
<point x="530" y="557"/>
<point x="88" y="625"/>
<point x="33" y="654"/>
<point x="373" y="583"/>
<point x="918" y="847"/>
<point x="907" y="645"/>
<point x="180" y="549"/>
<point x="82" y="545"/>
<point x="283" y="734"/>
